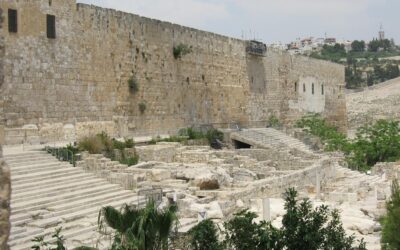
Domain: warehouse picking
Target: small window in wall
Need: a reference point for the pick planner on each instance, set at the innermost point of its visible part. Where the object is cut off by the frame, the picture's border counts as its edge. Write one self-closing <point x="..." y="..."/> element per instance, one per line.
<point x="51" y="26"/>
<point x="12" y="21"/>
<point x="312" y="88"/>
<point x="322" y="90"/>
<point x="304" y="87"/>
<point x="295" y="87"/>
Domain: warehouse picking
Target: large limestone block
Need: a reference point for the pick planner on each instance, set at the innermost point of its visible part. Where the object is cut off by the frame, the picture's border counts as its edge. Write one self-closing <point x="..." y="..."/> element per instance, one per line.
<point x="160" y="174"/>
<point x="159" y="152"/>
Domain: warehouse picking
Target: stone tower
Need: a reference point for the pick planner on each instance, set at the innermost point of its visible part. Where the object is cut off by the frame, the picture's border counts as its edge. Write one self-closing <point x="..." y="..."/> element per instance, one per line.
<point x="381" y="33"/>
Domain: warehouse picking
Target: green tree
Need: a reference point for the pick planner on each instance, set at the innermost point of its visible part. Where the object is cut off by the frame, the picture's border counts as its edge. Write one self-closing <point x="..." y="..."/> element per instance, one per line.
<point x="374" y="45"/>
<point x="242" y="233"/>
<point x="391" y="222"/>
<point x="305" y="228"/>
<point x="204" y="236"/>
<point x="392" y="71"/>
<point x="358" y="46"/>
<point x="386" y="44"/>
<point x="142" y="229"/>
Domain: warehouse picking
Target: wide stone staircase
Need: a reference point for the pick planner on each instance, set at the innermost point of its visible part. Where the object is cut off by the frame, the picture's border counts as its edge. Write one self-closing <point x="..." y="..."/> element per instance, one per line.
<point x="48" y="194"/>
<point x="269" y="137"/>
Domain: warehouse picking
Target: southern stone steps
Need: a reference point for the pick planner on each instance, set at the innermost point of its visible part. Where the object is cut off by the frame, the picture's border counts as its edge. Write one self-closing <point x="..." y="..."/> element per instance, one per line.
<point x="59" y="199"/>
<point x="272" y="138"/>
<point x="75" y="225"/>
<point x="42" y="191"/>
<point x="48" y="194"/>
<point x="75" y="178"/>
<point x="71" y="207"/>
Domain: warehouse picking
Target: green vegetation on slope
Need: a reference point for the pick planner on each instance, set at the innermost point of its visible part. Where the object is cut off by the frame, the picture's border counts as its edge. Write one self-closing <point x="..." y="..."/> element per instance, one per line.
<point x="364" y="66"/>
<point x="379" y="142"/>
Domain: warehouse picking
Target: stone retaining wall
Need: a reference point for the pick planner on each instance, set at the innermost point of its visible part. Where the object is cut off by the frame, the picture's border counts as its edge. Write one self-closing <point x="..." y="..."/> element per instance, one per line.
<point x="77" y="84"/>
<point x="5" y="181"/>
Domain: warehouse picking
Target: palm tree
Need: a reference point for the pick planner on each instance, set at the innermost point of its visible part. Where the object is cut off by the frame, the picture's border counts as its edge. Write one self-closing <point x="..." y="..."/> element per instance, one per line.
<point x="139" y="229"/>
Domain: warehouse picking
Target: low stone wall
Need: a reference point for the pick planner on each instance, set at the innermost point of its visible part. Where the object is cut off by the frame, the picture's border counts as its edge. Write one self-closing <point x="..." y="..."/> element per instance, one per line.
<point x="390" y="169"/>
<point x="322" y="171"/>
<point x="112" y="171"/>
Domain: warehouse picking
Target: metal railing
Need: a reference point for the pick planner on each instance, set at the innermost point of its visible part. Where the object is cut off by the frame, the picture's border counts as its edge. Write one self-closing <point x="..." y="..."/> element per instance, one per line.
<point x="63" y="154"/>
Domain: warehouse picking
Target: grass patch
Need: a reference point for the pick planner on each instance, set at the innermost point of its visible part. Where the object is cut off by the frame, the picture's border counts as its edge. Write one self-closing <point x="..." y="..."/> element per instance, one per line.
<point x="104" y="144"/>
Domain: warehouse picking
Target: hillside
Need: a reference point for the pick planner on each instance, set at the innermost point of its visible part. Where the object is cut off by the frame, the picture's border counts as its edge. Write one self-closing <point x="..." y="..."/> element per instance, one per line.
<point x="381" y="101"/>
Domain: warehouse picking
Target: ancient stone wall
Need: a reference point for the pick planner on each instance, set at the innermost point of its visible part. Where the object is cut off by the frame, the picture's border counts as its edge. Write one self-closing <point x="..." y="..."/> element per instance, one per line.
<point x="5" y="183"/>
<point x="64" y="88"/>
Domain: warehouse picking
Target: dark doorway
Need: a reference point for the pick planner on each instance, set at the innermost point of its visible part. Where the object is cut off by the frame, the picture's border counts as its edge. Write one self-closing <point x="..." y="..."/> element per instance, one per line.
<point x="239" y="144"/>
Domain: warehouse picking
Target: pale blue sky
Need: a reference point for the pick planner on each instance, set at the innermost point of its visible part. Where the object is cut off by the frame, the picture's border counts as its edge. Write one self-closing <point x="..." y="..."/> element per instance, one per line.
<point x="273" y="20"/>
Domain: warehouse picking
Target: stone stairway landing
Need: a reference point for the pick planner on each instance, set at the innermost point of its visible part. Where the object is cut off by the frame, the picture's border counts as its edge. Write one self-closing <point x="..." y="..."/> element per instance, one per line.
<point x="48" y="194"/>
<point x="270" y="138"/>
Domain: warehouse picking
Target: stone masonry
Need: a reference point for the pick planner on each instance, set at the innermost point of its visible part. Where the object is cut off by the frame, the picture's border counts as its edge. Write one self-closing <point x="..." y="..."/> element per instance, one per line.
<point x="64" y="88"/>
<point x="5" y="185"/>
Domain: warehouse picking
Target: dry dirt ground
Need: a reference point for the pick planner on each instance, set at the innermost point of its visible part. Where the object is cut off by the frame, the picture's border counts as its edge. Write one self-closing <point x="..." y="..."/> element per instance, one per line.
<point x="377" y="102"/>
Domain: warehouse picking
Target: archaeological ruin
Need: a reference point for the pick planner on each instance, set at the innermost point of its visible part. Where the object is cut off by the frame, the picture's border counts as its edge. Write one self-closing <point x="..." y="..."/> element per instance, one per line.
<point x="69" y="71"/>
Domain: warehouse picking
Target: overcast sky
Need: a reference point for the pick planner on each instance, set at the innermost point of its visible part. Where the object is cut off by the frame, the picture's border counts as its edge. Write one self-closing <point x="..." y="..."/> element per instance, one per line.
<point x="273" y="20"/>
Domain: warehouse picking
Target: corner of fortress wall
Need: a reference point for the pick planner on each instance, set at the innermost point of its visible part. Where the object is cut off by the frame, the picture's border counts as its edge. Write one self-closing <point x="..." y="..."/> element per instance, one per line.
<point x="77" y="83"/>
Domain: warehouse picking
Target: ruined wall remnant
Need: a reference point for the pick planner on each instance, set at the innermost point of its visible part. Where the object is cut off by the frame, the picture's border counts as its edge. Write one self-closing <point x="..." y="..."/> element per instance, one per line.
<point x="5" y="185"/>
<point x="64" y="88"/>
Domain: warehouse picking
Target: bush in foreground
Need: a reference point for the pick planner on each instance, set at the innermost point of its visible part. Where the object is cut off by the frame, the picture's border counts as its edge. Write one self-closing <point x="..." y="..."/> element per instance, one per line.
<point x="391" y="222"/>
<point x="303" y="228"/>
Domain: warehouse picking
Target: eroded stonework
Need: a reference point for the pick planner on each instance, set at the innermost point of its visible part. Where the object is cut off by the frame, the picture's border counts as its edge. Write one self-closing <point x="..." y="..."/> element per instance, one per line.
<point x="77" y="83"/>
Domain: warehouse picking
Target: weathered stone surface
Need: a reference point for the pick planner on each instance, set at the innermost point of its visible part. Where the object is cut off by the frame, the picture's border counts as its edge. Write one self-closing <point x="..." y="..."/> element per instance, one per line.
<point x="5" y="181"/>
<point x="160" y="152"/>
<point x="5" y="192"/>
<point x="81" y="77"/>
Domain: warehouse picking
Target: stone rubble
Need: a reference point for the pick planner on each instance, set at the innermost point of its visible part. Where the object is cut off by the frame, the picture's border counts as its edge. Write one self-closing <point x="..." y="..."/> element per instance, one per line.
<point x="203" y="182"/>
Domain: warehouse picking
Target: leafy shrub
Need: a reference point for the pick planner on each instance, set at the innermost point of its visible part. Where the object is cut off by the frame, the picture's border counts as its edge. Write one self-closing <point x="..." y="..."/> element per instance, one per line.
<point x="329" y="135"/>
<point x="146" y="228"/>
<point x="142" y="107"/>
<point x="181" y="50"/>
<point x="191" y="133"/>
<point x="58" y="239"/>
<point x="391" y="222"/>
<point x="209" y="185"/>
<point x="92" y="144"/>
<point x="118" y="144"/>
<point x="130" y="161"/>
<point x="214" y="134"/>
<point x="274" y="122"/>
<point x="129" y="143"/>
<point x="204" y="236"/>
<point x="379" y="142"/>
<point x="133" y="85"/>
<point x="244" y="234"/>
<point x="108" y="145"/>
